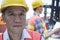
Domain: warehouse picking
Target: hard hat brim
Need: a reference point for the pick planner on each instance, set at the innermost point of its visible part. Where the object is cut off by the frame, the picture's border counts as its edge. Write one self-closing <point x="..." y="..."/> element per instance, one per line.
<point x="5" y="6"/>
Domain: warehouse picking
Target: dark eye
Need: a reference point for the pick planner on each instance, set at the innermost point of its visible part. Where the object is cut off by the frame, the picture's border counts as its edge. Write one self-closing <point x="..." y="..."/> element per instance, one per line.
<point x="21" y="14"/>
<point x="11" y="14"/>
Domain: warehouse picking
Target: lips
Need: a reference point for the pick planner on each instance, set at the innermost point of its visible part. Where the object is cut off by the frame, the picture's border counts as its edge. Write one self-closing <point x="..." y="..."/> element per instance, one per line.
<point x="17" y="25"/>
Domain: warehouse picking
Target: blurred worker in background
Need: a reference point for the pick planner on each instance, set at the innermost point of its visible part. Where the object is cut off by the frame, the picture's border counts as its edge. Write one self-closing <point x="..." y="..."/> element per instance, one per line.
<point x="14" y="14"/>
<point x="35" y="22"/>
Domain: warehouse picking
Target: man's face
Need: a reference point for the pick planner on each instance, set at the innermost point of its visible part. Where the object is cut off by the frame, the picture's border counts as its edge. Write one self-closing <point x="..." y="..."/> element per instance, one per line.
<point x="39" y="9"/>
<point x="15" y="17"/>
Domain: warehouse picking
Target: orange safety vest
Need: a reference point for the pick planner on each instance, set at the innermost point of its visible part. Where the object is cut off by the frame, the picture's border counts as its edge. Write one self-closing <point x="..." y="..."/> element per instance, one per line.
<point x="35" y="35"/>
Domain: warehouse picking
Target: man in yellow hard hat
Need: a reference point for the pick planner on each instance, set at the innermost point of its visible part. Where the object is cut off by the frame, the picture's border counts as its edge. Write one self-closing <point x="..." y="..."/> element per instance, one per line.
<point x="14" y="14"/>
<point x="37" y="7"/>
<point x="36" y="24"/>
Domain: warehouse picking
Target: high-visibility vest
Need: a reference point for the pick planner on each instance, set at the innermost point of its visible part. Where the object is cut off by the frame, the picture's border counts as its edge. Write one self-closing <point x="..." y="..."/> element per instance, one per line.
<point x="35" y="35"/>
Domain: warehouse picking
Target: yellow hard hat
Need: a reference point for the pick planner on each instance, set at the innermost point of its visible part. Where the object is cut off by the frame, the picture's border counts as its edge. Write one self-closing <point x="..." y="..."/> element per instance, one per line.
<point x="7" y="3"/>
<point x="37" y="3"/>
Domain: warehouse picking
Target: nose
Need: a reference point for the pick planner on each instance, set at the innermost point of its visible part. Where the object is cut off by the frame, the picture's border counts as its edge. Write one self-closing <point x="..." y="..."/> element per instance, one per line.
<point x="17" y="19"/>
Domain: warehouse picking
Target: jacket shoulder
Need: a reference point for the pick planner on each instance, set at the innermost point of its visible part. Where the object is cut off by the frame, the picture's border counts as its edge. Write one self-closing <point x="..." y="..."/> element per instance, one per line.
<point x="35" y="35"/>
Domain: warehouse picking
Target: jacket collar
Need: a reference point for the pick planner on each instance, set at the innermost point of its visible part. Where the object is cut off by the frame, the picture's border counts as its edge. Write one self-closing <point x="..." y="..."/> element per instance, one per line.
<point x="25" y="34"/>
